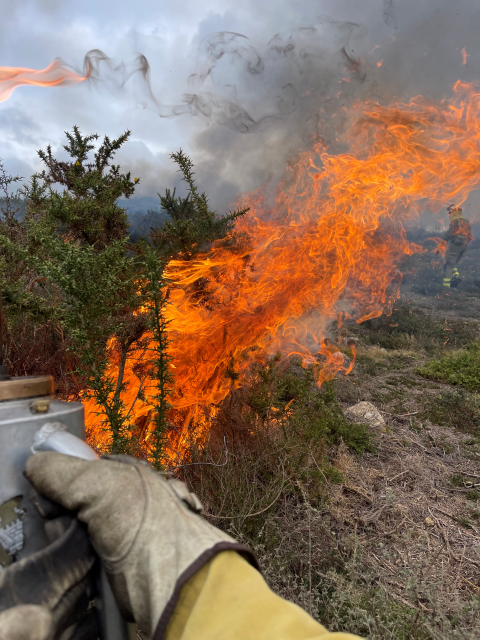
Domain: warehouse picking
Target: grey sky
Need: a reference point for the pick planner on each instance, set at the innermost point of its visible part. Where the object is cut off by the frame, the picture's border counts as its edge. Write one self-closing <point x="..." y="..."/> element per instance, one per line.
<point x="419" y="42"/>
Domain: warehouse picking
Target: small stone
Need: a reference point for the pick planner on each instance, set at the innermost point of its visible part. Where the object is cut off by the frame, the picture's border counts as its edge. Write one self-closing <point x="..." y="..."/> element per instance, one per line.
<point x="429" y="522"/>
<point x="367" y="412"/>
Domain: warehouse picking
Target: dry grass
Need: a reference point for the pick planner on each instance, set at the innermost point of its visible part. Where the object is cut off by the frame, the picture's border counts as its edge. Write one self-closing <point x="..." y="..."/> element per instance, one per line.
<point x="380" y="544"/>
<point x="410" y="522"/>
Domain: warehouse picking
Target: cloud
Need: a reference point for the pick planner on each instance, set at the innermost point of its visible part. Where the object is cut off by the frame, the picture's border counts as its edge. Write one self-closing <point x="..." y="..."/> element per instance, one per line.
<point x="254" y="81"/>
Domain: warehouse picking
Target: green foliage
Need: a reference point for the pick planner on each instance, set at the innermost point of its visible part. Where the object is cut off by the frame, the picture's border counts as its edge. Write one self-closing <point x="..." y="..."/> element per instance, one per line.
<point x="406" y="328"/>
<point x="464" y="522"/>
<point x="87" y="207"/>
<point x="456" y="480"/>
<point x="193" y="225"/>
<point x="461" y="367"/>
<point x="74" y="282"/>
<point x="455" y="409"/>
<point x="315" y="412"/>
<point x="154" y="301"/>
<point x="68" y="268"/>
<point x="269" y="444"/>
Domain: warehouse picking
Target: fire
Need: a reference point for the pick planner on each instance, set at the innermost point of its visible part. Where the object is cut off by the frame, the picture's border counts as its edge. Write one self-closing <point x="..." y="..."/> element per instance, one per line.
<point x="441" y="245"/>
<point x="57" y="73"/>
<point x="325" y="248"/>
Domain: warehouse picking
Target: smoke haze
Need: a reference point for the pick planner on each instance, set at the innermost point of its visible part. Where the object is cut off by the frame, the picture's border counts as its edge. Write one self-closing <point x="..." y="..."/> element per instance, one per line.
<point x="242" y="89"/>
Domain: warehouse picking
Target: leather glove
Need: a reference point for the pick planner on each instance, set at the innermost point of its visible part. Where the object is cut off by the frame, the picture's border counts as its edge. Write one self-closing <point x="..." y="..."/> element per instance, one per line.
<point x="59" y="580"/>
<point x="146" y="530"/>
<point x="26" y="622"/>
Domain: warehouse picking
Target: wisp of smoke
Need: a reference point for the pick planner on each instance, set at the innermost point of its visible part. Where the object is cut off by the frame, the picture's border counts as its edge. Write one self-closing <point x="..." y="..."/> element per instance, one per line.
<point x="236" y="86"/>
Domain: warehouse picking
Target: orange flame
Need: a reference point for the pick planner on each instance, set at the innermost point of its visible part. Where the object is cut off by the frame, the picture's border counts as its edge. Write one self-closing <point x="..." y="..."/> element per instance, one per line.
<point x="57" y="73"/>
<point x="324" y="249"/>
<point x="441" y="245"/>
<point x="464" y="55"/>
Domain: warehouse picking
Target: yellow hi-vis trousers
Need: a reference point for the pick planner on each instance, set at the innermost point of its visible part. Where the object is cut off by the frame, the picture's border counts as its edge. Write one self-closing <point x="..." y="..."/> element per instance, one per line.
<point x="455" y="251"/>
<point x="229" y="600"/>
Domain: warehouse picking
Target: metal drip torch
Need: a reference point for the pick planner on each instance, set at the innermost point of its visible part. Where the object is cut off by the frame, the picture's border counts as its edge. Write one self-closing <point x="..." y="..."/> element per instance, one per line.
<point x="32" y="420"/>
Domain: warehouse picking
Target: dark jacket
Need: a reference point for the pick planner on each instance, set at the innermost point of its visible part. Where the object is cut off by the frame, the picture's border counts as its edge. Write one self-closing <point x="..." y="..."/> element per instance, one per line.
<point x="459" y="231"/>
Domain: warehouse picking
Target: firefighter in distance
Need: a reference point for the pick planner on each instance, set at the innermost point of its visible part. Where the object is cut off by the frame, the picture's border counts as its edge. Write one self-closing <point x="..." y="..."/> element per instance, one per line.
<point x="458" y="237"/>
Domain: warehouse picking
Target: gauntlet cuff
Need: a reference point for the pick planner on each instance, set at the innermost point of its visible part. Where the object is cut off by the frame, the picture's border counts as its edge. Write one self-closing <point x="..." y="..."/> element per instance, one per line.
<point x="200" y="562"/>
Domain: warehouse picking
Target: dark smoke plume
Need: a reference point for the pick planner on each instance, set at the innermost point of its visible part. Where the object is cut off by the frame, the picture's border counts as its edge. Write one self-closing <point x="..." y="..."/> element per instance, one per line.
<point x="237" y="86"/>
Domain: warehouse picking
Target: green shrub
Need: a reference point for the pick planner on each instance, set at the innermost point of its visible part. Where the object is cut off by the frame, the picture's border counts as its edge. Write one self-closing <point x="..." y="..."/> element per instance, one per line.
<point x="455" y="408"/>
<point x="461" y="367"/>
<point x="268" y="445"/>
<point x="314" y="412"/>
<point x="456" y="480"/>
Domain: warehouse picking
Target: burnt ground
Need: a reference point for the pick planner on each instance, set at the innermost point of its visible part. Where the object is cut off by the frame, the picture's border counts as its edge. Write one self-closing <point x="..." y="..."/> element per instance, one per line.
<point x="414" y="504"/>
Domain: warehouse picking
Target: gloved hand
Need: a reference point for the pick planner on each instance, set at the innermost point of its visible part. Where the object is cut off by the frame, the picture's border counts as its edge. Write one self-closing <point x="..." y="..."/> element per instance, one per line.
<point x="146" y="530"/>
<point x="57" y="581"/>
<point x="26" y="622"/>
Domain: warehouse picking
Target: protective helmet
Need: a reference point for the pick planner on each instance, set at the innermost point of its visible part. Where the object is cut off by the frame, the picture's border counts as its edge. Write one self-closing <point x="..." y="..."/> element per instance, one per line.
<point x="454" y="210"/>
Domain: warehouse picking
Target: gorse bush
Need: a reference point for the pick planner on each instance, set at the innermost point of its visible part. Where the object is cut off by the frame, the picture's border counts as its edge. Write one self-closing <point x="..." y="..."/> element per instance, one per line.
<point x="73" y="281"/>
<point x="68" y="264"/>
<point x="192" y="225"/>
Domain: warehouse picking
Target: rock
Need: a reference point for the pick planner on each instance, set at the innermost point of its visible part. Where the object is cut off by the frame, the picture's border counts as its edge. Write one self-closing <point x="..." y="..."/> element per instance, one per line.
<point x="429" y="522"/>
<point x="367" y="412"/>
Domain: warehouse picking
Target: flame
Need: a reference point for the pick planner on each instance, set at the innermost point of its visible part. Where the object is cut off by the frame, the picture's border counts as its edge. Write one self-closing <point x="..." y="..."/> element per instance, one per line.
<point x="325" y="248"/>
<point x="56" y="74"/>
<point x="464" y="55"/>
<point x="379" y="63"/>
<point x="441" y="245"/>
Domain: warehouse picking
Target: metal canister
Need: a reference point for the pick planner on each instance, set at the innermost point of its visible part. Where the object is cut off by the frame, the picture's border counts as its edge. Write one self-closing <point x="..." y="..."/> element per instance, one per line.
<point x="26" y="405"/>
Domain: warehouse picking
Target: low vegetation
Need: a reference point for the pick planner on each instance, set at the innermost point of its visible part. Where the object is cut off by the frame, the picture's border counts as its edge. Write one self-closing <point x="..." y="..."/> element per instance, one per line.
<point x="270" y="442"/>
<point x="457" y="368"/>
<point x="455" y="408"/>
<point x="413" y="328"/>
